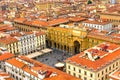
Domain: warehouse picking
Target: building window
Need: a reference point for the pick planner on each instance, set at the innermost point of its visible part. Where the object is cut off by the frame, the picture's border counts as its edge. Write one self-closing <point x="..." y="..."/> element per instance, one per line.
<point x="102" y="72"/>
<point x="74" y="68"/>
<point x="68" y="67"/>
<point x="79" y="71"/>
<point x="69" y="72"/>
<point x="98" y="74"/>
<point x="85" y="78"/>
<point x="91" y="75"/>
<point x="106" y="69"/>
<point x="79" y="76"/>
<point x="113" y="65"/>
<point x="106" y="76"/>
<point x="102" y="78"/>
<point x="13" y="76"/>
<point x="85" y="73"/>
<point x="74" y="74"/>
<point x="110" y="68"/>
<point x="13" y="70"/>
<point x="117" y="64"/>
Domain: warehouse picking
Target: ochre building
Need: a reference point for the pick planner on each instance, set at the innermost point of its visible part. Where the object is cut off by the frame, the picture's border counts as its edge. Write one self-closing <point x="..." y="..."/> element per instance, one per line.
<point x="75" y="39"/>
<point x="112" y="14"/>
<point x="70" y="40"/>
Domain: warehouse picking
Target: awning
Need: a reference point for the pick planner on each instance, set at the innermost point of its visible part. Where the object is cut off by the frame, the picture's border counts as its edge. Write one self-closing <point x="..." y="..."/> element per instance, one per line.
<point x="33" y="55"/>
<point x="47" y="50"/>
<point x="59" y="64"/>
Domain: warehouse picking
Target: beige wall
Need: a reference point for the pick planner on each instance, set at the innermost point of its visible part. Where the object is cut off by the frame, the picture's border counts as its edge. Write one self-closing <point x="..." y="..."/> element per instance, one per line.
<point x="115" y="19"/>
<point x="79" y="71"/>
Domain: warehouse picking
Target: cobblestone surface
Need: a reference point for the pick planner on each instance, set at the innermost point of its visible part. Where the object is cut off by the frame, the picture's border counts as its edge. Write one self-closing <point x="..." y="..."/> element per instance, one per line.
<point x="54" y="57"/>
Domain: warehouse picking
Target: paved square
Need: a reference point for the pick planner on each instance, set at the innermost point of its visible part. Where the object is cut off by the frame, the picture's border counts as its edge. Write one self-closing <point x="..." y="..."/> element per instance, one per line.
<point x="54" y="57"/>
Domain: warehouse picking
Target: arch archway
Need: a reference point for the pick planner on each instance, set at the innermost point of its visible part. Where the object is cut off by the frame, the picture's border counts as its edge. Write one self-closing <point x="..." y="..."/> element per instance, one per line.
<point x="76" y="47"/>
<point x="54" y="44"/>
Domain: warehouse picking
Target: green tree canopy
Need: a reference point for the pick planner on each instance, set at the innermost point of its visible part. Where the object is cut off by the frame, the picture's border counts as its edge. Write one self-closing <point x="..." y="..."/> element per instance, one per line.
<point x="89" y="2"/>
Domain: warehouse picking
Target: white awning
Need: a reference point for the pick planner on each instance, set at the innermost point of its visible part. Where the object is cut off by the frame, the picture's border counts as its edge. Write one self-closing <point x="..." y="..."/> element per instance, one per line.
<point x="33" y="55"/>
<point x="59" y="64"/>
<point x="47" y="50"/>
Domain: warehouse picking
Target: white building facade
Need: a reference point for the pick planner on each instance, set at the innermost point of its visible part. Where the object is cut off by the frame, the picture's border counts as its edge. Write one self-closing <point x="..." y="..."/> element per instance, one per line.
<point x="100" y="25"/>
<point x="29" y="43"/>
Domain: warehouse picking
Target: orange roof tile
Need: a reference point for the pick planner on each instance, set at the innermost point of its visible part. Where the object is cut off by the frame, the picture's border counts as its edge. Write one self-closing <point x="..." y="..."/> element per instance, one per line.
<point x="20" y="20"/>
<point x="58" y="21"/>
<point x="8" y="40"/>
<point x="6" y="56"/>
<point x="102" y="35"/>
<point x="40" y="23"/>
<point x="5" y="76"/>
<point x="39" y="33"/>
<point x="96" y="22"/>
<point x="76" y="19"/>
<point x="115" y="75"/>
<point x="16" y="34"/>
<point x="40" y="66"/>
<point x="37" y="66"/>
<point x="28" y="22"/>
<point x="19" y="34"/>
<point x="27" y="69"/>
<point x="97" y="64"/>
<point x="62" y="77"/>
<point x="43" y="17"/>
<point x="16" y="63"/>
<point x="5" y="28"/>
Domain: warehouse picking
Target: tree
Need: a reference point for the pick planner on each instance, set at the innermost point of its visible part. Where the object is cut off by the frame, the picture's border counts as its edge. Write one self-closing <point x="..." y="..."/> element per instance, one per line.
<point x="89" y="2"/>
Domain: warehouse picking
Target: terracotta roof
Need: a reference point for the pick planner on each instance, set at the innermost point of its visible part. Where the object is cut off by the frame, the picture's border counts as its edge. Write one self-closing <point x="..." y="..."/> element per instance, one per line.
<point x="10" y="28"/>
<point x="3" y="75"/>
<point x="39" y="33"/>
<point x="77" y="19"/>
<point x="97" y="22"/>
<point x="1" y="20"/>
<point x="28" y="33"/>
<point x="17" y="34"/>
<point x="111" y="12"/>
<point x="113" y="37"/>
<point x="105" y="58"/>
<point x="6" y="28"/>
<point x="58" y="21"/>
<point x="115" y="75"/>
<point x="16" y="63"/>
<point x="40" y="23"/>
<point x="28" y="22"/>
<point x="8" y="40"/>
<point x="60" y="28"/>
<point x="6" y="56"/>
<point x="62" y="77"/>
<point x="20" y="34"/>
<point x="37" y="66"/>
<point x="43" y="17"/>
<point x="20" y="20"/>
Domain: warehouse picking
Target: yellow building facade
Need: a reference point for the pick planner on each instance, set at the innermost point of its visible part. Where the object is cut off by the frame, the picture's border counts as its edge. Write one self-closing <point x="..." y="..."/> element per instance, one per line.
<point x="11" y="44"/>
<point x="29" y="27"/>
<point x="113" y="18"/>
<point x="44" y="6"/>
<point x="20" y="43"/>
<point x="75" y="40"/>
<point x="70" y="40"/>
